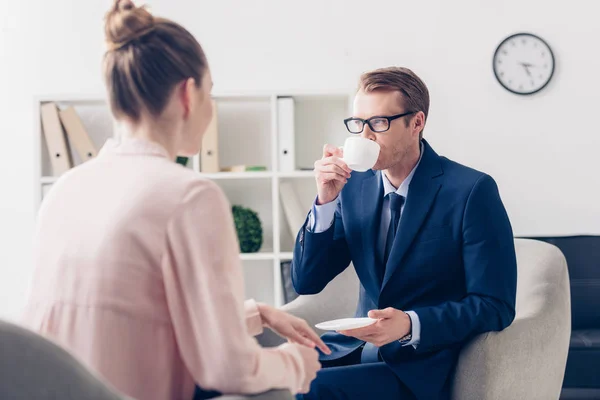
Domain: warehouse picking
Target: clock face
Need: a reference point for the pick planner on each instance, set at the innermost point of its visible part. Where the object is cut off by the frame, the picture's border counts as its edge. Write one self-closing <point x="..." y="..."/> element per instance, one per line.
<point x="523" y="63"/>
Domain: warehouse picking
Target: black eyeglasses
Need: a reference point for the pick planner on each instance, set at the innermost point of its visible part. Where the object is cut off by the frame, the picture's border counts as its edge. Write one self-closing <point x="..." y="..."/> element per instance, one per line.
<point x="377" y="124"/>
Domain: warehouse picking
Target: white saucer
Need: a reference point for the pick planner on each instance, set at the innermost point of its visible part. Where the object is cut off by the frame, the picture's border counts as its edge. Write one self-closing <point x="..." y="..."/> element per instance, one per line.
<point x="345" y="323"/>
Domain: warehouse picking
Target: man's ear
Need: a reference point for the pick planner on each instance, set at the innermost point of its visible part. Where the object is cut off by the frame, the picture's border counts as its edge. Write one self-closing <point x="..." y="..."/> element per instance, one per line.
<point x="419" y="122"/>
<point x="187" y="96"/>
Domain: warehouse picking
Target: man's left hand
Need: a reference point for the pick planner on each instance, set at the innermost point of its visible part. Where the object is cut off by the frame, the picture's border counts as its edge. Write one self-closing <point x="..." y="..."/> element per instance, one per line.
<point x="392" y="325"/>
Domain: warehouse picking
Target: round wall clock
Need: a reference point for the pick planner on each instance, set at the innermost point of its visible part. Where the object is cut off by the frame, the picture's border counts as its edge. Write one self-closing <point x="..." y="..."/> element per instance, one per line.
<point x="523" y="63"/>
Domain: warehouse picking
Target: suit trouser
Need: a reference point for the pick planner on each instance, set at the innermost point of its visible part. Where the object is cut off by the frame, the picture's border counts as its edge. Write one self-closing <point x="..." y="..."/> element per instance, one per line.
<point x="349" y="379"/>
<point x="201" y="394"/>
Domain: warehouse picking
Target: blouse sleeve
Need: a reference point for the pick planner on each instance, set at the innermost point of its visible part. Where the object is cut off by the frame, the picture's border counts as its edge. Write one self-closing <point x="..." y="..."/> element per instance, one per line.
<point x="205" y="292"/>
<point x="253" y="318"/>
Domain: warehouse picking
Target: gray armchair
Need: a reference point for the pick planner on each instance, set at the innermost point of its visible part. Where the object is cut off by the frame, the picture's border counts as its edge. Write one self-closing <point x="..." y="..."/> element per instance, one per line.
<point x="32" y="367"/>
<point x="525" y="361"/>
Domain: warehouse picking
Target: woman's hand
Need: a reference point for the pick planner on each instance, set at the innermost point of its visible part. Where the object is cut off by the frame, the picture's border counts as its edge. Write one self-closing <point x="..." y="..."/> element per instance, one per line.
<point x="310" y="359"/>
<point x="294" y="329"/>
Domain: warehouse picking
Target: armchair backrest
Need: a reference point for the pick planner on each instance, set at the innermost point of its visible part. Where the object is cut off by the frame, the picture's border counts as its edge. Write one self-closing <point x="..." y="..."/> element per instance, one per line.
<point x="32" y="367"/>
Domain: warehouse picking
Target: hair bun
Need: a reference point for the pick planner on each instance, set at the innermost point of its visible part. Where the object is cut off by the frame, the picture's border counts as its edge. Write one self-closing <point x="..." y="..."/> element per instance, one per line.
<point x="124" y="5"/>
<point x="125" y="22"/>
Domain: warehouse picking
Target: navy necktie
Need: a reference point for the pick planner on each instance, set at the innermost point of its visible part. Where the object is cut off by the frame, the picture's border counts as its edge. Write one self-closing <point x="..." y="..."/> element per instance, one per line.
<point x="370" y="352"/>
<point x="396" y="202"/>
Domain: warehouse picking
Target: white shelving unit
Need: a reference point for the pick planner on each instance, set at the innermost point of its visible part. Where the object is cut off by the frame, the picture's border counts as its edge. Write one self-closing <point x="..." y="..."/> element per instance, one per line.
<point x="248" y="134"/>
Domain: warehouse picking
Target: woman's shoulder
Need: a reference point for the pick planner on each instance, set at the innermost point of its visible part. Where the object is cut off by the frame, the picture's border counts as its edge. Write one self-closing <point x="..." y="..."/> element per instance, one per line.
<point x="190" y="185"/>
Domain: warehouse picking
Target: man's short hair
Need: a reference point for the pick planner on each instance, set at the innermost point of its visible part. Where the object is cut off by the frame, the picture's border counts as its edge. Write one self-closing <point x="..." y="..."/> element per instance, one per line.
<point x="415" y="95"/>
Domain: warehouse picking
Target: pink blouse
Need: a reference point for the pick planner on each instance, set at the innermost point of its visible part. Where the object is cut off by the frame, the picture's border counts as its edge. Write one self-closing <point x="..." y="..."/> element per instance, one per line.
<point x="138" y="274"/>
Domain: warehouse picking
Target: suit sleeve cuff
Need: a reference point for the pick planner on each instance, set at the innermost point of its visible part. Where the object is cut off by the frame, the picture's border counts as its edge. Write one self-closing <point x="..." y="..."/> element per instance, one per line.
<point x="322" y="216"/>
<point x="416" y="329"/>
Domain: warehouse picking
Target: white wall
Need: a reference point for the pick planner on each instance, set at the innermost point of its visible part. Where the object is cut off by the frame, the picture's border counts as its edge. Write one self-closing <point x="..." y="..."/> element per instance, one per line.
<point x="541" y="149"/>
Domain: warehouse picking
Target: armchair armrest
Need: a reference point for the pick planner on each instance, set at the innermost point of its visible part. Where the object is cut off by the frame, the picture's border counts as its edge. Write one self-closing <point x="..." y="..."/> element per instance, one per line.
<point x="527" y="360"/>
<point x="337" y="300"/>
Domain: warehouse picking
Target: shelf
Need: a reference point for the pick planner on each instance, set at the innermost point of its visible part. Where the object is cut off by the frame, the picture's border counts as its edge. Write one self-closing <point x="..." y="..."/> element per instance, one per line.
<point x="266" y="256"/>
<point x="216" y="176"/>
<point x="257" y="256"/>
<point x="73" y="98"/>
<point x="228" y="175"/>
<point x="249" y="134"/>
<point x="297" y="174"/>
<point x="220" y="97"/>
<point x="48" y="180"/>
<point x="239" y="175"/>
<point x="259" y="175"/>
<point x="339" y="94"/>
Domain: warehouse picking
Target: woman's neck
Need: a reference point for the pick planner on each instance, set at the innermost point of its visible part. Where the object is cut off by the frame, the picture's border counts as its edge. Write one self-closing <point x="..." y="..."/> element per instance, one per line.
<point x="153" y="132"/>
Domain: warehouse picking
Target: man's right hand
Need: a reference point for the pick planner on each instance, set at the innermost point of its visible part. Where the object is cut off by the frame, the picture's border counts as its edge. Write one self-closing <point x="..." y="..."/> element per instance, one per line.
<point x="331" y="173"/>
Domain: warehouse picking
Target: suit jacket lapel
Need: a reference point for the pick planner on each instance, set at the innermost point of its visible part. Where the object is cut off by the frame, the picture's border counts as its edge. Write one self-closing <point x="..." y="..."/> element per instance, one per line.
<point x="370" y="212"/>
<point x="421" y="194"/>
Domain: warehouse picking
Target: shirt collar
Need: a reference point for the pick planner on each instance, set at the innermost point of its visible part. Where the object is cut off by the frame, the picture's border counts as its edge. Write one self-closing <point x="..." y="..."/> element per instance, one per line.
<point x="403" y="189"/>
<point x="133" y="146"/>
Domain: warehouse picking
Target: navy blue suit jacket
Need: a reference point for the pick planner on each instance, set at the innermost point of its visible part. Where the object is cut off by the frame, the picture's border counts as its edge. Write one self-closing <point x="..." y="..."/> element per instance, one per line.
<point x="453" y="263"/>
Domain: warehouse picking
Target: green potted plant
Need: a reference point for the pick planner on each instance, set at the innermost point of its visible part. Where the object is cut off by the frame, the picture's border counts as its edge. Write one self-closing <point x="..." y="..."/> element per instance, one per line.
<point x="249" y="229"/>
<point x="182" y="160"/>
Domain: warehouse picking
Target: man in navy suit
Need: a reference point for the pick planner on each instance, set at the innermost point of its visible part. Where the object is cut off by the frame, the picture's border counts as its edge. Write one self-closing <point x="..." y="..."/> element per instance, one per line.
<point x="430" y="241"/>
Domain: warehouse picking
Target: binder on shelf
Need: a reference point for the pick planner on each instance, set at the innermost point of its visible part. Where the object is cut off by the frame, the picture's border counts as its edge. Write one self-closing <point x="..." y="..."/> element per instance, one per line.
<point x="209" y="155"/>
<point x="291" y="207"/>
<point x="77" y="134"/>
<point x="55" y="139"/>
<point x="285" y="128"/>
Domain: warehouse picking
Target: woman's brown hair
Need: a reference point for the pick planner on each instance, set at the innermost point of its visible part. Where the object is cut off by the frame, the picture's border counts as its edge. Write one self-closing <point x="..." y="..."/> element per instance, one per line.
<point x="147" y="56"/>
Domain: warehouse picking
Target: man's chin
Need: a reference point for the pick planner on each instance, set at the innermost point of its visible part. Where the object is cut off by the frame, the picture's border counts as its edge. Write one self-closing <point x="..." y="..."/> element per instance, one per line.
<point x="378" y="166"/>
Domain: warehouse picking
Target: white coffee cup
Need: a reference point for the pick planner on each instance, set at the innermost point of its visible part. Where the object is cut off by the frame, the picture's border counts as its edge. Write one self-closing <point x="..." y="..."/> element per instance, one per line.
<point x="360" y="154"/>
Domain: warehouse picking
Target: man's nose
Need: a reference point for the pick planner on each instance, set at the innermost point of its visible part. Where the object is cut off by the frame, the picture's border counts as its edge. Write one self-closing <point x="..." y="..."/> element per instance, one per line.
<point x="367" y="133"/>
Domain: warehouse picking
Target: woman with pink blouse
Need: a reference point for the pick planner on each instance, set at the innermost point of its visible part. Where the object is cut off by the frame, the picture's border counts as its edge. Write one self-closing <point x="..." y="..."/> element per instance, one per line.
<point x="137" y="261"/>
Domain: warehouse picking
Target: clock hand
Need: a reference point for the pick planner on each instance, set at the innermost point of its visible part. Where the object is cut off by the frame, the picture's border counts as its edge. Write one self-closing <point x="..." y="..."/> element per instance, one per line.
<point x="526" y="66"/>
